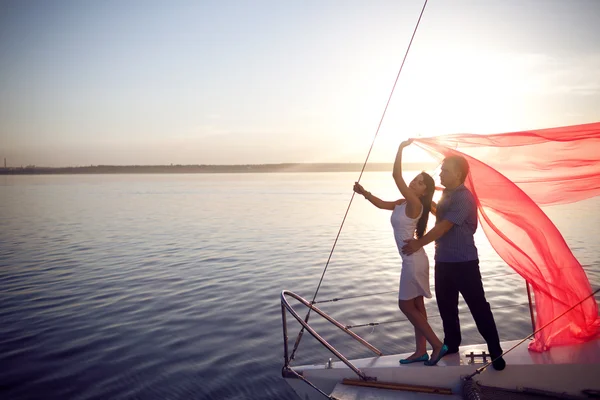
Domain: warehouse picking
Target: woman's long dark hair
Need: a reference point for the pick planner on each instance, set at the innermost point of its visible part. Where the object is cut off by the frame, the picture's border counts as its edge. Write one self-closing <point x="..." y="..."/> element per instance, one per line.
<point x="426" y="201"/>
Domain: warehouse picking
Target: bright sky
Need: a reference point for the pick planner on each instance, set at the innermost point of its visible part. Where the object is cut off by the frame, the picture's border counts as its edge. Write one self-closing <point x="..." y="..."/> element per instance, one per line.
<point x="269" y="81"/>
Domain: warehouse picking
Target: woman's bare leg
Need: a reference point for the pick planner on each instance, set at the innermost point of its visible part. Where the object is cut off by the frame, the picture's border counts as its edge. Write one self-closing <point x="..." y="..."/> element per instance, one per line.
<point x="420" y="340"/>
<point x="414" y="309"/>
<point x="421" y="343"/>
<point x="420" y="303"/>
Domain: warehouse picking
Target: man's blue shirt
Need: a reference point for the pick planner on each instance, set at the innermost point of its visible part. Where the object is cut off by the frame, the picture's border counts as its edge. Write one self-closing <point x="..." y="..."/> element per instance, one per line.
<point x="458" y="244"/>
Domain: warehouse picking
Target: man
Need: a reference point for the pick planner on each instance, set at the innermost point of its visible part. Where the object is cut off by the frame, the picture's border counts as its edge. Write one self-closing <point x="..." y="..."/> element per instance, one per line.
<point x="456" y="260"/>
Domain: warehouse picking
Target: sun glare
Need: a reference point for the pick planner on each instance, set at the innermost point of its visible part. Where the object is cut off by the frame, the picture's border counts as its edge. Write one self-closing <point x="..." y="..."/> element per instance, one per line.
<point x="446" y="93"/>
<point x="449" y="92"/>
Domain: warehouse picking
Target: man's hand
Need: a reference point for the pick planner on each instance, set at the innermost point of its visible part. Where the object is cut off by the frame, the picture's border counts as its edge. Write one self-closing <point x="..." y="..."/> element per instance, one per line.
<point x="411" y="246"/>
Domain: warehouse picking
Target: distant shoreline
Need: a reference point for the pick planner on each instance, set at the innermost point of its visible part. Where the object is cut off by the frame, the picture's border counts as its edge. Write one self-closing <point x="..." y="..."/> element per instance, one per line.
<point x="212" y="169"/>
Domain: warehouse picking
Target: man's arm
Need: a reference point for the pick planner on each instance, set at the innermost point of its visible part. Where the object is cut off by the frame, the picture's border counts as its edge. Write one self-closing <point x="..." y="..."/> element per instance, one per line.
<point x="435" y="233"/>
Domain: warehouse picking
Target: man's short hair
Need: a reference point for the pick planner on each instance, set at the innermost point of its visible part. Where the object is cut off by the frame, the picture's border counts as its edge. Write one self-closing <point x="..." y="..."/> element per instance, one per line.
<point x="461" y="164"/>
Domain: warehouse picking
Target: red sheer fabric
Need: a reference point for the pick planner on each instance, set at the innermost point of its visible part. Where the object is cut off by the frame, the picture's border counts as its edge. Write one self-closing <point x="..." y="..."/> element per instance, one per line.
<point x="510" y="175"/>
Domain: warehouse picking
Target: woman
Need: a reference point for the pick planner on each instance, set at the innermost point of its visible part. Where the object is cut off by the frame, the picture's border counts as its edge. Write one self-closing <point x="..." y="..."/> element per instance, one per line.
<point x="409" y="217"/>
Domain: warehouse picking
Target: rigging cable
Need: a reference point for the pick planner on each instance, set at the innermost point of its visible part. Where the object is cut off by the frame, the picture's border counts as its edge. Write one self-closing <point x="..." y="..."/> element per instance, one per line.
<point x="510" y="276"/>
<point x="429" y="316"/>
<point x="481" y="369"/>
<point x="360" y="176"/>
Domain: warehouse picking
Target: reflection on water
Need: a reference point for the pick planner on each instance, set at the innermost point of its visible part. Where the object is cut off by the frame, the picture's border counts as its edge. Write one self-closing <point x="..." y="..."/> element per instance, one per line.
<point x="167" y="286"/>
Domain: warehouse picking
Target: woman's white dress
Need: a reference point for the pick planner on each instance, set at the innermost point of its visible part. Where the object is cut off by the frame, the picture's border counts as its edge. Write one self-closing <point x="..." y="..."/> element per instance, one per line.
<point x="414" y="278"/>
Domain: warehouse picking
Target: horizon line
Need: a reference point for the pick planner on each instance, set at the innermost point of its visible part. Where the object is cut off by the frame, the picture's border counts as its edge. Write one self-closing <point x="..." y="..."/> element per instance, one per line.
<point x="221" y="165"/>
<point x="215" y="168"/>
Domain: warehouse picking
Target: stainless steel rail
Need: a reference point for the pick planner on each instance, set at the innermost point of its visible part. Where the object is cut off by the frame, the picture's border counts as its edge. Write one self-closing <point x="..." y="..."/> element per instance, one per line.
<point x="286" y="306"/>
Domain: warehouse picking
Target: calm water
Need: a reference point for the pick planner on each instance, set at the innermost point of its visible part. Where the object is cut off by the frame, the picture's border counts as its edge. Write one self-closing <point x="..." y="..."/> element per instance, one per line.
<point x="167" y="286"/>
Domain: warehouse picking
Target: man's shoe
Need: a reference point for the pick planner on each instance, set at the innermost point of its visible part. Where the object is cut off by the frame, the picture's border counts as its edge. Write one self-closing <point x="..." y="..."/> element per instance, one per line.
<point x="452" y="350"/>
<point x="498" y="363"/>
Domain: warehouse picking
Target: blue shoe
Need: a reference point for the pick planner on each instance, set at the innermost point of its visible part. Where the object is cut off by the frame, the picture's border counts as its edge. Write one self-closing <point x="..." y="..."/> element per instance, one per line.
<point x="443" y="352"/>
<point x="424" y="357"/>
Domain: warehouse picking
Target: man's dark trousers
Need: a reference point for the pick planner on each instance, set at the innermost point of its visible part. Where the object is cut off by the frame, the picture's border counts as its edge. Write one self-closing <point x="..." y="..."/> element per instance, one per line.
<point x="464" y="277"/>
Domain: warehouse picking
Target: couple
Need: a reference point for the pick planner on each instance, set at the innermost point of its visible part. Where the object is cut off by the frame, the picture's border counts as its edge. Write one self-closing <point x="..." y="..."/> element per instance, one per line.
<point x="456" y="259"/>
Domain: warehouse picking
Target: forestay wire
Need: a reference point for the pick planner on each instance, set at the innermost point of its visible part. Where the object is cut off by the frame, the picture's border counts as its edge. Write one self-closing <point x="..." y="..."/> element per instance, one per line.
<point x="360" y="176"/>
<point x="481" y="369"/>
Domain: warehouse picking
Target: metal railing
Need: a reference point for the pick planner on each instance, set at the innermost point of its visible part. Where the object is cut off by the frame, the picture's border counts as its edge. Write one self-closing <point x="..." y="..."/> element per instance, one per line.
<point x="286" y="306"/>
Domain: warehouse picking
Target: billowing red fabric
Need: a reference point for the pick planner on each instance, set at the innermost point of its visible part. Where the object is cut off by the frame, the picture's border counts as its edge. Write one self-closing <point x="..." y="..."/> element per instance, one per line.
<point x="510" y="175"/>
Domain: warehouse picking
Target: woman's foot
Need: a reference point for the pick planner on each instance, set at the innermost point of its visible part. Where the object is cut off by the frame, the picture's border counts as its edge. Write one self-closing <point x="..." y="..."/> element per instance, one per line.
<point x="437" y="355"/>
<point x="415" y="357"/>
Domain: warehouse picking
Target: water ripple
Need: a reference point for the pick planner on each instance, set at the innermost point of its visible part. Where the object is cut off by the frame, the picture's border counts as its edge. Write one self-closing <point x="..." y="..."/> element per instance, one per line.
<point x="160" y="287"/>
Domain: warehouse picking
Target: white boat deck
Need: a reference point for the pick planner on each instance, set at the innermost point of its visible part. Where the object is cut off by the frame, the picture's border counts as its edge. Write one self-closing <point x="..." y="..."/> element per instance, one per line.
<point x="345" y="392"/>
<point x="563" y="369"/>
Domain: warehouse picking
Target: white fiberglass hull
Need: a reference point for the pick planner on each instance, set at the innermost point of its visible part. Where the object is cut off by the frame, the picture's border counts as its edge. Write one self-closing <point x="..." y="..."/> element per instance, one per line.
<point x="564" y="369"/>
